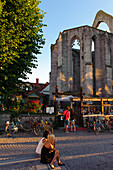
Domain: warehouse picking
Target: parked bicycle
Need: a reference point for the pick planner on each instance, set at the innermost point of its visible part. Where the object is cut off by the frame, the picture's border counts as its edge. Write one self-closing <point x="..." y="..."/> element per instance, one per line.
<point x="32" y="124"/>
<point x="13" y="126"/>
<point x="89" y="124"/>
<point x="111" y="125"/>
<point x="101" y="126"/>
<point x="37" y="125"/>
<point x="44" y="125"/>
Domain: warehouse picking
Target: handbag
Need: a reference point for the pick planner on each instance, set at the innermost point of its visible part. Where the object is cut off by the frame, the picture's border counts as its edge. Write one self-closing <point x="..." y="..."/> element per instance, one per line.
<point x="39" y="146"/>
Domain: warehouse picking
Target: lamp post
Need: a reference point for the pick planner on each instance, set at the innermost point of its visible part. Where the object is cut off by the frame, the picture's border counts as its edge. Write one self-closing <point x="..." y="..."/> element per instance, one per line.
<point x="81" y="107"/>
<point x="56" y="99"/>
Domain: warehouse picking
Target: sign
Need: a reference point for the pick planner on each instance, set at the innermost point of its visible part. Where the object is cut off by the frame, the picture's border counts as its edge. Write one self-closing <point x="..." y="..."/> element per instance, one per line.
<point x="50" y="110"/>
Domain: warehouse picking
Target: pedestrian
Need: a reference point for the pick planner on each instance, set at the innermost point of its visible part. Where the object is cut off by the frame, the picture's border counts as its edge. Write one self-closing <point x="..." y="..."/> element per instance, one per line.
<point x="72" y="120"/>
<point x="42" y="141"/>
<point x="66" y="113"/>
<point x="49" y="153"/>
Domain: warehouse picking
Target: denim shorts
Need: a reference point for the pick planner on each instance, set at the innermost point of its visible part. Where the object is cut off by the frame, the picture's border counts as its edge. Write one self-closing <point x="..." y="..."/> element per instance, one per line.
<point x="67" y="122"/>
<point x="72" y="121"/>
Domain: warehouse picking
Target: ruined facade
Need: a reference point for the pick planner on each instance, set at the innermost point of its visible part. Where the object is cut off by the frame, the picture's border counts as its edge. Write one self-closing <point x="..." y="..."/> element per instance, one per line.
<point x="72" y="69"/>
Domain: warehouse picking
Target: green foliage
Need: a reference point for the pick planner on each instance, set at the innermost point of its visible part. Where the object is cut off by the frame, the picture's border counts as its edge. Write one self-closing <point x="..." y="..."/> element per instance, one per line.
<point x="21" y="38"/>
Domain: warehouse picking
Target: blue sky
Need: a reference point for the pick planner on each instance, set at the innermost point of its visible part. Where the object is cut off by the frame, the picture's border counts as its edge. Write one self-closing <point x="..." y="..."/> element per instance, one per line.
<point x="62" y="15"/>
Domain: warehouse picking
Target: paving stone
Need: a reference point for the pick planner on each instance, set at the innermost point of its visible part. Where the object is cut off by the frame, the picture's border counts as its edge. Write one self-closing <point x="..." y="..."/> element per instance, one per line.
<point x="79" y="151"/>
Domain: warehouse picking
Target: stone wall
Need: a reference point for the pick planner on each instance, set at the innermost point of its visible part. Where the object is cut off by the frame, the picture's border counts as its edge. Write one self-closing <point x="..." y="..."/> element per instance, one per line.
<point x="96" y="71"/>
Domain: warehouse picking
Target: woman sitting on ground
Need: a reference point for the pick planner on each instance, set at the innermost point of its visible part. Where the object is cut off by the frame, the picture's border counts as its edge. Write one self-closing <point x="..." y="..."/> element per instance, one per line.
<point x="49" y="152"/>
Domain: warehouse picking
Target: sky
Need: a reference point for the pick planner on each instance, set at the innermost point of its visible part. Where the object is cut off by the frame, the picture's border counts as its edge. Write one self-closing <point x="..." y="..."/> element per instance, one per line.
<point x="62" y="15"/>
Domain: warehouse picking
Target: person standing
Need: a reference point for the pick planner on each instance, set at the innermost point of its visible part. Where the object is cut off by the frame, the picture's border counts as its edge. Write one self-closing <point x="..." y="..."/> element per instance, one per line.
<point x="66" y="113"/>
<point x="72" y="120"/>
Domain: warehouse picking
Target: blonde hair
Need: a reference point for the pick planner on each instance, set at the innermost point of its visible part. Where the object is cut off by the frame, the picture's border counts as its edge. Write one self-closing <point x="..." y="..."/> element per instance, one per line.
<point x="51" y="138"/>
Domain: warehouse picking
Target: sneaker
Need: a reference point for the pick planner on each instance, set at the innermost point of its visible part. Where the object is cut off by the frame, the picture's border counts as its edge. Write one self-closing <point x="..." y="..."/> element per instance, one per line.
<point x="67" y="132"/>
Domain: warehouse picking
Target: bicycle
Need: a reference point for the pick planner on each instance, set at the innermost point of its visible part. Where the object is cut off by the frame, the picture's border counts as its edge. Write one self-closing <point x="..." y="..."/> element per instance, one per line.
<point x="13" y="126"/>
<point x="37" y="125"/>
<point x="44" y="125"/>
<point x="111" y="125"/>
<point x="99" y="126"/>
<point x="89" y="124"/>
<point x="32" y="124"/>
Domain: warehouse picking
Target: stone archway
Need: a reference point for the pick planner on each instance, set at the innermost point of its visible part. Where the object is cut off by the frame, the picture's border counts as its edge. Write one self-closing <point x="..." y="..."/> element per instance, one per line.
<point x="75" y="56"/>
<point x="101" y="16"/>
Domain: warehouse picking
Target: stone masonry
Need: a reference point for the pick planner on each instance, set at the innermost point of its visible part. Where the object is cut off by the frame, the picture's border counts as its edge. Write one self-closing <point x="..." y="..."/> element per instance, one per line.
<point x="91" y="70"/>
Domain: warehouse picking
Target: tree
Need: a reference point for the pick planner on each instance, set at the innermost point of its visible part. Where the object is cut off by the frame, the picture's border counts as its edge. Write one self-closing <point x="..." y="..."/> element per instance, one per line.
<point x="21" y="38"/>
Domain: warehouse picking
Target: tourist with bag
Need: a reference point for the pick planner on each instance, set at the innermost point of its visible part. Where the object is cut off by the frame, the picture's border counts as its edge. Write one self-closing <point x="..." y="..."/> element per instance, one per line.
<point x="66" y="114"/>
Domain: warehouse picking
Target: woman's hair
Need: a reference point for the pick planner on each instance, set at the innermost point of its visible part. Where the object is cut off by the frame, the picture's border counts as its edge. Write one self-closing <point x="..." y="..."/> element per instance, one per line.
<point x="46" y="132"/>
<point x="51" y="138"/>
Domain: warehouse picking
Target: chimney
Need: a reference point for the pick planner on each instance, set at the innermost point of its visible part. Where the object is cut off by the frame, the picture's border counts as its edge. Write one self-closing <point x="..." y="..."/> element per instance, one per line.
<point x="37" y="81"/>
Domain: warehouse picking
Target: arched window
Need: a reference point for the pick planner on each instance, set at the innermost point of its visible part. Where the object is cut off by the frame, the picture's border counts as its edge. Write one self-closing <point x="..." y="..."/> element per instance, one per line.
<point x="103" y="26"/>
<point x="76" y="63"/>
<point x="93" y="63"/>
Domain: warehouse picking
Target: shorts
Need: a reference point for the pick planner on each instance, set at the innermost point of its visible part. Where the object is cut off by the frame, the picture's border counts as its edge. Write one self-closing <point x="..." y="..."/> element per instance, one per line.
<point x="72" y="121"/>
<point x="67" y="122"/>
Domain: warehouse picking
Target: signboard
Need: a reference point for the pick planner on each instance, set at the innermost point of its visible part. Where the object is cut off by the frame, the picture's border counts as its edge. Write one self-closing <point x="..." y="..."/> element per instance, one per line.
<point x="50" y="110"/>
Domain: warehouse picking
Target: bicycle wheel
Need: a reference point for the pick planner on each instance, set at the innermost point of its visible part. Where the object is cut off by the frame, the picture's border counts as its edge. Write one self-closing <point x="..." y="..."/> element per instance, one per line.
<point x="49" y="127"/>
<point x="10" y="131"/>
<point x="41" y="128"/>
<point x="37" y="130"/>
<point x="27" y="126"/>
<point x="88" y="127"/>
<point x="96" y="131"/>
<point x="111" y="129"/>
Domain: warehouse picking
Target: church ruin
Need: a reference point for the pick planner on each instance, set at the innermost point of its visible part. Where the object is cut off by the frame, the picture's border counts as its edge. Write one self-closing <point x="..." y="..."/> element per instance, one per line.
<point x="91" y="70"/>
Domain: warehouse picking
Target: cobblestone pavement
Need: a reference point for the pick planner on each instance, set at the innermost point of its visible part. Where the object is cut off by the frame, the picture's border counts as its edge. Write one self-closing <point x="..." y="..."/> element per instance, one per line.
<point x="78" y="150"/>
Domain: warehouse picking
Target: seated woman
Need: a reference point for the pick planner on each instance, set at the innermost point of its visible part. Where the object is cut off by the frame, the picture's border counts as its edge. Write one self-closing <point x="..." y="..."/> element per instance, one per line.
<point x="49" y="152"/>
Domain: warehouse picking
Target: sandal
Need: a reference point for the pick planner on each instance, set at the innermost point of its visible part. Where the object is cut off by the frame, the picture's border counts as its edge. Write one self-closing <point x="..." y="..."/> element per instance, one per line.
<point x="61" y="164"/>
<point x="51" y="166"/>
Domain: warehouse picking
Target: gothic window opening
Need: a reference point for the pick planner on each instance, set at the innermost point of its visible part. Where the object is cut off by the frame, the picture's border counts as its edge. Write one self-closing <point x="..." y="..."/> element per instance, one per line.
<point x="93" y="63"/>
<point x="76" y="64"/>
